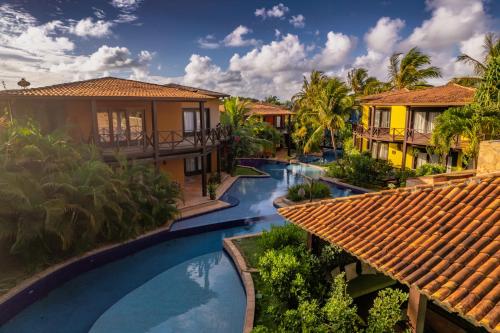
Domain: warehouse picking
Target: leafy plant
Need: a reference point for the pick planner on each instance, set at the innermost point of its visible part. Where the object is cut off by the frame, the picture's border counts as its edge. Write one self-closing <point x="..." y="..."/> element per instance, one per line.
<point x="430" y="169"/>
<point x="279" y="237"/>
<point x="386" y="311"/>
<point x="303" y="191"/>
<point x="212" y="191"/>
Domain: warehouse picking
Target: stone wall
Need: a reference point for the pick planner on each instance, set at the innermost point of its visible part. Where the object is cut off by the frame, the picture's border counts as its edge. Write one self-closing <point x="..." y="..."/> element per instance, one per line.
<point x="489" y="157"/>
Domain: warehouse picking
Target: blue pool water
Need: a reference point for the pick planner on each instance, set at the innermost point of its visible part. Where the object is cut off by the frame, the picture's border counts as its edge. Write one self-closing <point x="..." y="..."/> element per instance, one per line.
<point x="328" y="156"/>
<point x="256" y="195"/>
<point x="182" y="285"/>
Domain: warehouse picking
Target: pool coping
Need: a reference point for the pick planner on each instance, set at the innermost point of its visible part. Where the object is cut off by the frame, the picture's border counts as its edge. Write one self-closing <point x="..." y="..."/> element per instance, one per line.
<point x="42" y="283"/>
<point x="245" y="276"/>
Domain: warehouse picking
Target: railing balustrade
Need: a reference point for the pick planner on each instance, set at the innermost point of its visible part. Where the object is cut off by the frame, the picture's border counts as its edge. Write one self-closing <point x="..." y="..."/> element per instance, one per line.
<point x="167" y="140"/>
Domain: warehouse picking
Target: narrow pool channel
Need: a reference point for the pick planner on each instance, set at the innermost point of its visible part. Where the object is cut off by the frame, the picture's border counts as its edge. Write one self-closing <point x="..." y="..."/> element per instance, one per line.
<point x="186" y="284"/>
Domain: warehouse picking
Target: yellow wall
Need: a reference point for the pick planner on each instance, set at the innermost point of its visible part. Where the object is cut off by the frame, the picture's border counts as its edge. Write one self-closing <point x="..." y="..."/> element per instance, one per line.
<point x="175" y="169"/>
<point x="395" y="154"/>
<point x="398" y="116"/>
<point x="365" y="116"/>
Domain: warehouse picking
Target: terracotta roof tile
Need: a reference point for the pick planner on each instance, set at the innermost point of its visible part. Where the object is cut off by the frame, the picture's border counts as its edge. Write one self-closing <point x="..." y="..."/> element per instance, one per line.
<point x="108" y="87"/>
<point x="450" y="94"/>
<point x="442" y="238"/>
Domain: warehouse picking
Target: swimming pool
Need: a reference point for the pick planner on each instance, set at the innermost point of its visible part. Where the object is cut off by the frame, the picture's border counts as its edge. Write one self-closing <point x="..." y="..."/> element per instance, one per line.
<point x="327" y="157"/>
<point x="186" y="284"/>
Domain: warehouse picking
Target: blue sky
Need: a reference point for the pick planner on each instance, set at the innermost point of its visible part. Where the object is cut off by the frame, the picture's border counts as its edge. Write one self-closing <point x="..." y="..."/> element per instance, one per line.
<point x="252" y="48"/>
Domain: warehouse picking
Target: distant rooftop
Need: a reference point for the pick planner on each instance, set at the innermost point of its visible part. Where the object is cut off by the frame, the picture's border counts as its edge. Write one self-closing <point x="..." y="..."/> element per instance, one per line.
<point x="443" y="239"/>
<point x="108" y="87"/>
<point x="447" y="95"/>
<point x="197" y="90"/>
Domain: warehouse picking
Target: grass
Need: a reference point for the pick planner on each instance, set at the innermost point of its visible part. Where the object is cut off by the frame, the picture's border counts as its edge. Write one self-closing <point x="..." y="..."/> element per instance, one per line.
<point x="246" y="171"/>
<point x="251" y="252"/>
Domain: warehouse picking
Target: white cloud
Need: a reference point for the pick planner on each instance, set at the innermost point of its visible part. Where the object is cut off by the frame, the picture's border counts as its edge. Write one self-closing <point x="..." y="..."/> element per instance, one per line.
<point x="236" y="38"/>
<point x="298" y="21"/>
<point x="337" y="48"/>
<point x="451" y="22"/>
<point x="126" y="5"/>
<point x="277" y="11"/>
<point x="208" y="42"/>
<point x="125" y="18"/>
<point x="88" y="28"/>
<point x="99" y="13"/>
<point x="275" y="68"/>
<point x="45" y="54"/>
<point x="384" y="35"/>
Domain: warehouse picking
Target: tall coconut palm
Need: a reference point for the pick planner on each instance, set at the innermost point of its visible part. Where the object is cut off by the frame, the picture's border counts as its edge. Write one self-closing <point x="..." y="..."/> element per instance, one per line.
<point x="411" y="70"/>
<point x="362" y="84"/>
<point x="329" y="111"/>
<point x="491" y="49"/>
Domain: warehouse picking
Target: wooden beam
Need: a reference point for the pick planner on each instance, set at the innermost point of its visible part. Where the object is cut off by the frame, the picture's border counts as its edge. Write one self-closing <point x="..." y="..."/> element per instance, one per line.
<point x="370" y="125"/>
<point x="405" y="137"/>
<point x="95" y="128"/>
<point x="313" y="243"/>
<point x="156" y="140"/>
<point x="417" y="306"/>
<point x="218" y="160"/>
<point x="203" y="154"/>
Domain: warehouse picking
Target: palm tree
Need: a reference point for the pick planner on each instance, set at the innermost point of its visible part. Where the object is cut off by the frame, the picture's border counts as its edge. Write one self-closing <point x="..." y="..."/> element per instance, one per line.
<point x="411" y="70"/>
<point x="247" y="135"/>
<point x="491" y="49"/>
<point x="362" y="84"/>
<point x="475" y="122"/>
<point x="329" y="111"/>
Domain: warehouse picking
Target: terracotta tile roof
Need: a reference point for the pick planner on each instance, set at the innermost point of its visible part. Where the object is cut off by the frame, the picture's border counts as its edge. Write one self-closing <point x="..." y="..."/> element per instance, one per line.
<point x="198" y="90"/>
<point x="450" y="94"/>
<point x="265" y="109"/>
<point x="443" y="239"/>
<point x="107" y="87"/>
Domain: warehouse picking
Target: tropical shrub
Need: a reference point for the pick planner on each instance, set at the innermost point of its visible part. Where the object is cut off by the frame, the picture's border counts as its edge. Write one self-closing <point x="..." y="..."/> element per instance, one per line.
<point x="57" y="198"/>
<point x="303" y="191"/>
<point x="386" y="311"/>
<point x="361" y="169"/>
<point x="430" y="169"/>
<point x="279" y="237"/>
<point x="301" y="296"/>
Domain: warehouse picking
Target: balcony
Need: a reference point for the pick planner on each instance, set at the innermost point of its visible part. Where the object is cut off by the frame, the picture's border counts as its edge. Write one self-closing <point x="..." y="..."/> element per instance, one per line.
<point x="413" y="136"/>
<point x="140" y="144"/>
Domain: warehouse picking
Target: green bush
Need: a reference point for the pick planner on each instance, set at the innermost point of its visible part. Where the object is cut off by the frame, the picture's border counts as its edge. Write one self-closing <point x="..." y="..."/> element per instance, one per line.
<point x="319" y="191"/>
<point x="386" y="311"/>
<point x="430" y="169"/>
<point x="361" y="169"/>
<point x="58" y="198"/>
<point x="279" y="237"/>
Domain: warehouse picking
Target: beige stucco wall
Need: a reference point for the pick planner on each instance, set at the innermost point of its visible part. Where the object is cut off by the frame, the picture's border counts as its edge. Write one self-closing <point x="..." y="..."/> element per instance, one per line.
<point x="489" y="157"/>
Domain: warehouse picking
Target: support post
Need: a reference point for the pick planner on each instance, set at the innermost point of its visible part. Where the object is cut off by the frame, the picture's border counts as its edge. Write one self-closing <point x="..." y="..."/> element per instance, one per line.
<point x="405" y="137"/>
<point x="156" y="143"/>
<point x="312" y="243"/>
<point x="203" y="151"/>
<point x="370" y="129"/>
<point x="289" y="137"/>
<point x="218" y="160"/>
<point x="95" y="130"/>
<point x="417" y="306"/>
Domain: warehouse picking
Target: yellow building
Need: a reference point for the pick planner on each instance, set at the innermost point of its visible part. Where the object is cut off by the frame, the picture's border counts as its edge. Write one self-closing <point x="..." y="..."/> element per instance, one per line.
<point x="146" y="122"/>
<point x="397" y="125"/>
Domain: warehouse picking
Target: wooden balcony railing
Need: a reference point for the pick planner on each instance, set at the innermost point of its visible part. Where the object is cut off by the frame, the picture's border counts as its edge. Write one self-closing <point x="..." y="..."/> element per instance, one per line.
<point x="168" y="141"/>
<point x="413" y="136"/>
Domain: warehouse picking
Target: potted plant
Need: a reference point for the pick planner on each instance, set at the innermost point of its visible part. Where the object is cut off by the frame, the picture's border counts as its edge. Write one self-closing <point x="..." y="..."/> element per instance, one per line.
<point x="212" y="191"/>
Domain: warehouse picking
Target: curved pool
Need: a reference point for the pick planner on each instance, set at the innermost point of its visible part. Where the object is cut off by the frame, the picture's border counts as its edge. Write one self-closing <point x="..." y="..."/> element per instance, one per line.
<point x="186" y="284"/>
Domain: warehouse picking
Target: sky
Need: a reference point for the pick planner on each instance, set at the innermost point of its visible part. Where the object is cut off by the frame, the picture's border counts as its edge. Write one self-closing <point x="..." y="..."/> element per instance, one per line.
<point x="246" y="48"/>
